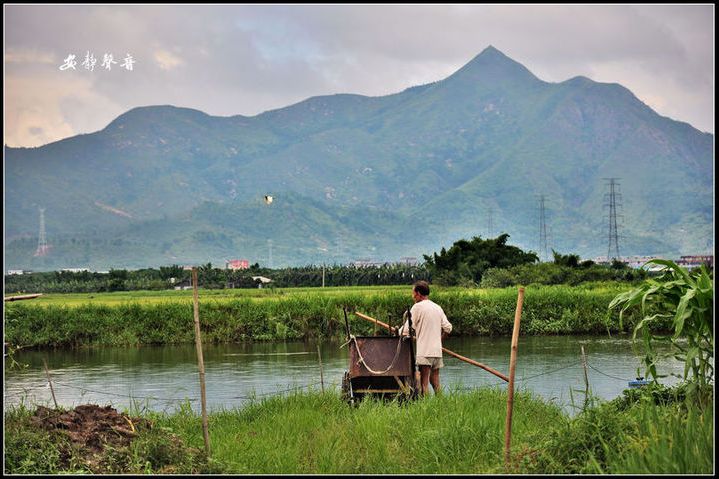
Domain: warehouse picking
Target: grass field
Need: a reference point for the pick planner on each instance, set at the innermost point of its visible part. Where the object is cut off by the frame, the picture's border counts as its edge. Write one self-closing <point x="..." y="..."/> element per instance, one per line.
<point x="145" y="317"/>
<point x="181" y="296"/>
<point x="454" y="433"/>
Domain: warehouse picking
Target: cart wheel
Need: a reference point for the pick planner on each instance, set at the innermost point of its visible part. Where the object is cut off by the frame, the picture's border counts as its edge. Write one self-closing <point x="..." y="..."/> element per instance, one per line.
<point x="347" y="389"/>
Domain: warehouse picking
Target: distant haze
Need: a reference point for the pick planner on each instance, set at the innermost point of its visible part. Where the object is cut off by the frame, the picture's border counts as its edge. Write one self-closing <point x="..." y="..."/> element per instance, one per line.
<point x="245" y="59"/>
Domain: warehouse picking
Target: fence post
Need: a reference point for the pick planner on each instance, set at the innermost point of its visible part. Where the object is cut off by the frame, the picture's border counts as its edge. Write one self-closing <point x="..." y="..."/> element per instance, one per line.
<point x="512" y="367"/>
<point x="586" y="378"/>
<point x="200" y="361"/>
<point x="322" y="380"/>
<point x="49" y="381"/>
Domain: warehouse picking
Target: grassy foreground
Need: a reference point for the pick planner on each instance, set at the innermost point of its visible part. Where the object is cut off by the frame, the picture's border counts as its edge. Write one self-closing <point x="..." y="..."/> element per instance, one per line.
<point x="455" y="433"/>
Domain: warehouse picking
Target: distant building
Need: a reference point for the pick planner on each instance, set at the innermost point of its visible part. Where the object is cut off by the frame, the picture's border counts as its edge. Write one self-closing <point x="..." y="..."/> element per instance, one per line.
<point x="637" y="262"/>
<point x="237" y="264"/>
<point x="694" y="261"/>
<point x="408" y="261"/>
<point x="11" y="272"/>
<point x="366" y="263"/>
<point x="183" y="285"/>
<point x="640" y="261"/>
<point x="260" y="280"/>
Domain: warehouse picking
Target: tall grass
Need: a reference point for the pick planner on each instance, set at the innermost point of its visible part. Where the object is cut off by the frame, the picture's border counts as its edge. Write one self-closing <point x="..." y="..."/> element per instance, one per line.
<point x="307" y="314"/>
<point x="308" y="433"/>
<point x="454" y="433"/>
<point x="647" y="434"/>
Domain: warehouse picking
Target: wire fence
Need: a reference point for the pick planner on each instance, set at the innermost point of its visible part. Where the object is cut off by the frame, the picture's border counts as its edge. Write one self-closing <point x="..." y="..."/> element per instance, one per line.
<point x="27" y="391"/>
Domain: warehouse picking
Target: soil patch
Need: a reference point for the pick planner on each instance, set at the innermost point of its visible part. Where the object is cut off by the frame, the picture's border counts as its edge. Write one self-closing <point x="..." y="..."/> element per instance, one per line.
<point x="90" y="427"/>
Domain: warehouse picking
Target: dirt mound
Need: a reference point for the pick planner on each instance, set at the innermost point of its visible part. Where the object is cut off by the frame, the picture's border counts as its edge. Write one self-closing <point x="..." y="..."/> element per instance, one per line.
<point x="89" y="426"/>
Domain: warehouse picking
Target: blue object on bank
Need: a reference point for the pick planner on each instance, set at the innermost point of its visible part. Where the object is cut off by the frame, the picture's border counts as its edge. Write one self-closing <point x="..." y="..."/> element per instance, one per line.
<point x="640" y="381"/>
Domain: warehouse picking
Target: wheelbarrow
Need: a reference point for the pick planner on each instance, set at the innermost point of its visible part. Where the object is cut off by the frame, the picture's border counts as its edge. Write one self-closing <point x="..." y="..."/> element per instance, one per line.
<point x="381" y="366"/>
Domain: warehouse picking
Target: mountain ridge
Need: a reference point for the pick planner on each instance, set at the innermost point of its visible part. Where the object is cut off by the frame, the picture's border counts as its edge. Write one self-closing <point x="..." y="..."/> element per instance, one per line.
<point x="490" y="135"/>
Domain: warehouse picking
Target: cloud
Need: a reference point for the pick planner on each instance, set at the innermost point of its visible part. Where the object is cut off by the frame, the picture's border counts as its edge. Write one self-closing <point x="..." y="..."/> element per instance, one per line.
<point x="40" y="110"/>
<point x="245" y="59"/>
<point x="14" y="55"/>
<point x="167" y="60"/>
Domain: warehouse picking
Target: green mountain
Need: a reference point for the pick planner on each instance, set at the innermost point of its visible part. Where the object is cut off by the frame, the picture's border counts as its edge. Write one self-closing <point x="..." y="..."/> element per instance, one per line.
<point x="377" y="177"/>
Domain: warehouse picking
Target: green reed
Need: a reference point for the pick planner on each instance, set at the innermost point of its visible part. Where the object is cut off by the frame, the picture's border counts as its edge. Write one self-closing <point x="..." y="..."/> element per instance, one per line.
<point x="308" y="314"/>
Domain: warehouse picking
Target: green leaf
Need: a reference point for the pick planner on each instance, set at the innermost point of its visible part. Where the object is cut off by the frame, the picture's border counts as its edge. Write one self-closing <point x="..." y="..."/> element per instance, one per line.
<point x="674" y="267"/>
<point x="682" y="313"/>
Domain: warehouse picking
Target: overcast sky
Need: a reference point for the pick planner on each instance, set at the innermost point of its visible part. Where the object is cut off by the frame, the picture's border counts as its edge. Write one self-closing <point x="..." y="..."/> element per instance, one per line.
<point x="246" y="59"/>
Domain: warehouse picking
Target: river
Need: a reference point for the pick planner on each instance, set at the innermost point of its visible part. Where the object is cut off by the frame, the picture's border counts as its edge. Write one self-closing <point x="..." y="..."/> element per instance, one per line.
<point x="160" y="378"/>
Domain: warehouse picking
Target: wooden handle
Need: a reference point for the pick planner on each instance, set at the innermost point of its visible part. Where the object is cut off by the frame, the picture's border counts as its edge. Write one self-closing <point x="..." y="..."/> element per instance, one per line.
<point x="451" y="353"/>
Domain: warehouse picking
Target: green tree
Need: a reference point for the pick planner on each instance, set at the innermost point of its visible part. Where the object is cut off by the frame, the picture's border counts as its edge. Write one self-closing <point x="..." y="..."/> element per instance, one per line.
<point x="570" y="260"/>
<point x="466" y="261"/>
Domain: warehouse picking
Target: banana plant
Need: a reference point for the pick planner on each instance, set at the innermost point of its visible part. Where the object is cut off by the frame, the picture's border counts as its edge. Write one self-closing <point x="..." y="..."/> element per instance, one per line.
<point x="685" y="298"/>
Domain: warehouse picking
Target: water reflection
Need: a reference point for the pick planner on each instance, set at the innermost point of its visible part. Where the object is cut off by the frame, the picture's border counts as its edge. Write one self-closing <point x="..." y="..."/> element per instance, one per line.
<point x="160" y="377"/>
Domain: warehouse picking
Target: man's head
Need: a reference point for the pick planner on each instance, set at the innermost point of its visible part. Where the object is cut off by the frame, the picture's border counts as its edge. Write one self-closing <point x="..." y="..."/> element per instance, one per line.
<point x="420" y="290"/>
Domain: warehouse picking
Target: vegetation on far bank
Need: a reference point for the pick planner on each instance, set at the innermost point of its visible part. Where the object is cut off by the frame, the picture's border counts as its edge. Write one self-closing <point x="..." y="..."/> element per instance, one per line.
<point x="478" y="262"/>
<point x="308" y="314"/>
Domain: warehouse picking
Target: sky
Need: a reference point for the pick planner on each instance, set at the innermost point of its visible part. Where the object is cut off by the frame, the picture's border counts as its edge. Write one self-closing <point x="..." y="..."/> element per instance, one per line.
<point x="245" y="59"/>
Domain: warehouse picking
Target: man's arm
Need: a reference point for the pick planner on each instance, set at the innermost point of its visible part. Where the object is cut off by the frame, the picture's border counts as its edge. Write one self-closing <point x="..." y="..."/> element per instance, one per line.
<point x="446" y="326"/>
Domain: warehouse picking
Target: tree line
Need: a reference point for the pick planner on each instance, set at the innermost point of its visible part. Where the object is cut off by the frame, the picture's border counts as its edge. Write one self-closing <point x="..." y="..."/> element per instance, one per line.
<point x="175" y="276"/>
<point x="476" y="262"/>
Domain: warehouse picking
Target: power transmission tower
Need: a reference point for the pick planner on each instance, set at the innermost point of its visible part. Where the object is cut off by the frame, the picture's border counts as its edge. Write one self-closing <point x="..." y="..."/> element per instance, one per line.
<point x="42" y="247"/>
<point x="269" y="244"/>
<point x="542" y="228"/>
<point x="614" y="198"/>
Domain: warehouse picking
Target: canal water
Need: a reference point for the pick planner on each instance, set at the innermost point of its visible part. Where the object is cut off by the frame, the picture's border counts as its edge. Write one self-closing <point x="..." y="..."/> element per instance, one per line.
<point x="161" y="378"/>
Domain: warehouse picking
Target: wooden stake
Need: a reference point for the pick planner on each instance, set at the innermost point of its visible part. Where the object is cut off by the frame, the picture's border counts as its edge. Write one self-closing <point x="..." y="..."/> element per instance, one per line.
<point x="451" y="353"/>
<point x="49" y="381"/>
<point x="200" y="361"/>
<point x="512" y="367"/>
<point x="586" y="377"/>
<point x="322" y="380"/>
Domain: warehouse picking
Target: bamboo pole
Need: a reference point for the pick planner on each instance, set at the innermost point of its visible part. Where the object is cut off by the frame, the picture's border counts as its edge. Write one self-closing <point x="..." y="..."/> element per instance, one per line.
<point x="49" y="381"/>
<point x="322" y="380"/>
<point x="200" y="361"/>
<point x="586" y="377"/>
<point x="451" y="353"/>
<point x="512" y="367"/>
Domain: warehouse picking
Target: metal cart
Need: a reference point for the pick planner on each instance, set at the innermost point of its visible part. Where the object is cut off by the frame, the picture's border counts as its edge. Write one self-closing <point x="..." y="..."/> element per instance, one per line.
<point x="379" y="365"/>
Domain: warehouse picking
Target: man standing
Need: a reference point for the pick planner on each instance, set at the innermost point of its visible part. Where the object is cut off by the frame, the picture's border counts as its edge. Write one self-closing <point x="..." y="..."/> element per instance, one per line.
<point x="431" y="326"/>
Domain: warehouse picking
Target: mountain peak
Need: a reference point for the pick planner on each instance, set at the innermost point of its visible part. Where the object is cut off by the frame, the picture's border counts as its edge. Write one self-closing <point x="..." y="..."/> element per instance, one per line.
<point x="493" y="65"/>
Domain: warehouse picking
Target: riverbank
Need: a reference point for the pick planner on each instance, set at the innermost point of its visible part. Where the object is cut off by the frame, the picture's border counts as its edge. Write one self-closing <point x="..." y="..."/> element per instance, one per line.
<point x="304" y="314"/>
<point x="455" y="433"/>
